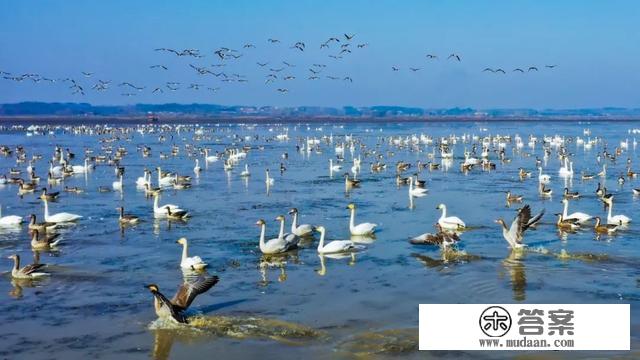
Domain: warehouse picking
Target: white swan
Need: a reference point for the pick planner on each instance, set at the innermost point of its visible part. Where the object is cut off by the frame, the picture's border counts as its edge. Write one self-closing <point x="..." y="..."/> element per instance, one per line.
<point x="62" y="217"/>
<point x="567" y="169"/>
<point x="302" y="229"/>
<point x="190" y="263"/>
<point x="160" y="211"/>
<point x="166" y="180"/>
<point x="543" y="178"/>
<point x="79" y="169"/>
<point x="334" y="168"/>
<point x="117" y="185"/>
<point x="451" y="222"/>
<point x="269" y="180"/>
<point x="336" y="246"/>
<point x="617" y="219"/>
<point x="9" y="220"/>
<point x="578" y="216"/>
<point x="273" y="246"/>
<point x="246" y="172"/>
<point x="288" y="237"/>
<point x="360" y="229"/>
<point x="416" y="192"/>
<point x="197" y="168"/>
<point x="145" y="179"/>
<point x="208" y="158"/>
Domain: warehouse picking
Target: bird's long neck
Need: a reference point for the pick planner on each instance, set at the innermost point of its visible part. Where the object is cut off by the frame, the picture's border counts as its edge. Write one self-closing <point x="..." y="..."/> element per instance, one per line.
<point x="321" y="243"/>
<point x="610" y="208"/>
<point x="263" y="229"/>
<point x="294" y="224"/>
<point x="566" y="209"/>
<point x="353" y="218"/>
<point x="155" y="202"/>
<point x="16" y="263"/>
<point x="121" y="212"/>
<point x="281" y="234"/>
<point x="46" y="210"/>
<point x="184" y="251"/>
<point x="444" y="212"/>
<point x="159" y="176"/>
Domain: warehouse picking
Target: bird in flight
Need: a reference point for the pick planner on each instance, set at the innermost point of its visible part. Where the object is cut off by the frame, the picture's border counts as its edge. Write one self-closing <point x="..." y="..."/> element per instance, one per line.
<point x="431" y="56"/>
<point x="349" y="37"/>
<point x="414" y="69"/>
<point x="518" y="69"/>
<point x="158" y="66"/>
<point x="273" y="41"/>
<point x="360" y="46"/>
<point x="87" y="74"/>
<point x="174" y="309"/>
<point x="283" y="91"/>
<point x="348" y="78"/>
<point x="550" y="66"/>
<point x="488" y="69"/>
<point x="262" y="64"/>
<point x="532" y="68"/>
<point x="247" y="46"/>
<point x="288" y="64"/>
<point x="455" y="56"/>
<point x="131" y="85"/>
<point x="395" y="68"/>
<point x="298" y="45"/>
<point x="500" y="70"/>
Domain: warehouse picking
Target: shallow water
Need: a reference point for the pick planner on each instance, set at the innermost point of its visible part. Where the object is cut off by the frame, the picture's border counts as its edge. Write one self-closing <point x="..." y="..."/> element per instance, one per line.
<point x="94" y="303"/>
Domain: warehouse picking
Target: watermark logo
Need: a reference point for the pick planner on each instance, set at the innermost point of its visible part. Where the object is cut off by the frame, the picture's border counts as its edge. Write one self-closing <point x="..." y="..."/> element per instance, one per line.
<point x="495" y="321"/>
<point x="525" y="326"/>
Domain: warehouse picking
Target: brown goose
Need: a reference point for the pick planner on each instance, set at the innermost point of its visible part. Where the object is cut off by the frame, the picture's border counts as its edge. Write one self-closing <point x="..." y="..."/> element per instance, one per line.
<point x="126" y="219"/>
<point x="519" y="225"/>
<point x="567" y="224"/>
<point x="605" y="228"/>
<point x="513" y="197"/>
<point x="28" y="272"/>
<point x="441" y="237"/>
<point x="49" y="195"/>
<point x="174" y="308"/>
<point x="570" y="195"/>
<point x="40" y="226"/>
<point x="349" y="183"/>
<point x="44" y="242"/>
<point x="176" y="215"/>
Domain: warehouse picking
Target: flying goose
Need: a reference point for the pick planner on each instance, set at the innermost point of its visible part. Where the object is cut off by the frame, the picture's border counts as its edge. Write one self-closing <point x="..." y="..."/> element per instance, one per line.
<point x="174" y="309"/>
<point x="520" y="224"/>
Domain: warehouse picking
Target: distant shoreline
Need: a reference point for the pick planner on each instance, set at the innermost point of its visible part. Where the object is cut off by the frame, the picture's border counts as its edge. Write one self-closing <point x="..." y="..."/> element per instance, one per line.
<point x="192" y="119"/>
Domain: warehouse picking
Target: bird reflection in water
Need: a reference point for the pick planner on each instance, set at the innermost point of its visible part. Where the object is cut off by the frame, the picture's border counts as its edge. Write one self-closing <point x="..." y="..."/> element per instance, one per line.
<point x="337" y="256"/>
<point x="277" y="261"/>
<point x="514" y="265"/>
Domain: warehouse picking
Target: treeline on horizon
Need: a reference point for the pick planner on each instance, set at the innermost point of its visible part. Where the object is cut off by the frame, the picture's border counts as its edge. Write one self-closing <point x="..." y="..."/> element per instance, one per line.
<point x="86" y="109"/>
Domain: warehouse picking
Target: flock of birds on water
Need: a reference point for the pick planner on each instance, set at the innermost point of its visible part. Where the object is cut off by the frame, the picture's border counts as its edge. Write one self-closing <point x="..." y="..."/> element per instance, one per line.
<point x="350" y="156"/>
<point x="279" y="73"/>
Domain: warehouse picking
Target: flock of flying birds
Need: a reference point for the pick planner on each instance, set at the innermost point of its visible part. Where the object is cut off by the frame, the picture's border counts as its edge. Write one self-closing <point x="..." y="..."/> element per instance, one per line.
<point x="276" y="73"/>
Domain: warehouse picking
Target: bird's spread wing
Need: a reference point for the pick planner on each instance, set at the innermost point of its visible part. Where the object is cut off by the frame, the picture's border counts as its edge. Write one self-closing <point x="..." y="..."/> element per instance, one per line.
<point x="189" y="290"/>
<point x="519" y="224"/>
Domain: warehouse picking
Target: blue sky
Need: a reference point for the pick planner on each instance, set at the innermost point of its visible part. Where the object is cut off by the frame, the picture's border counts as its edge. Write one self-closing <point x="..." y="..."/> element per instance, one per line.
<point x="594" y="44"/>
